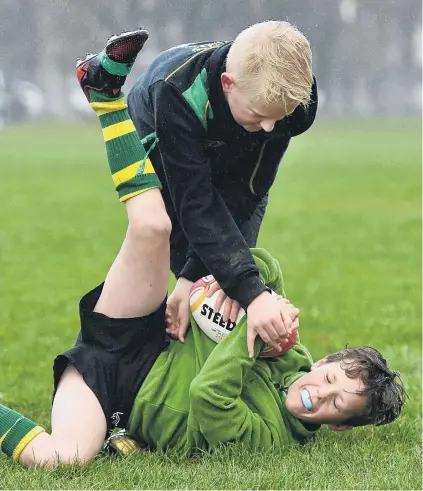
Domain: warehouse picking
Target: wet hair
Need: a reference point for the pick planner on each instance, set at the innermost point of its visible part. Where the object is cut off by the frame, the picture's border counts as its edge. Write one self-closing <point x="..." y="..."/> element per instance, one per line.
<point x="382" y="386"/>
<point x="272" y="62"/>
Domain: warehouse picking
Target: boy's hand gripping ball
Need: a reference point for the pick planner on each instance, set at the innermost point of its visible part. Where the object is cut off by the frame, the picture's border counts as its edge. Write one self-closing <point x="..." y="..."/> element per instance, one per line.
<point x="212" y="323"/>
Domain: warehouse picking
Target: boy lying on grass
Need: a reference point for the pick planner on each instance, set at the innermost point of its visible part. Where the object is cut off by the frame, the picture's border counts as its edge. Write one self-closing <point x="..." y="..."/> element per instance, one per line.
<point x="125" y="372"/>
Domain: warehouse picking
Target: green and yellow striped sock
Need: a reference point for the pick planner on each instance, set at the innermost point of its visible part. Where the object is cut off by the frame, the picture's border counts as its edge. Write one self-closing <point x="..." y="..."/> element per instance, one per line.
<point x="16" y="432"/>
<point x="132" y="170"/>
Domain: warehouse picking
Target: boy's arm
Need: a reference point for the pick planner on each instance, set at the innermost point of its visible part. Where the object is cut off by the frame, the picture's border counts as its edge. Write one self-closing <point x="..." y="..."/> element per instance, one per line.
<point x="203" y="215"/>
<point x="215" y="393"/>
<point x="215" y="397"/>
<point x="194" y="267"/>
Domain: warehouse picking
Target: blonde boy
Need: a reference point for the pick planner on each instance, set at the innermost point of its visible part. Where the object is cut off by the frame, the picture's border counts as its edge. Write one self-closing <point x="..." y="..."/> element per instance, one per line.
<point x="268" y="74"/>
<point x="217" y="118"/>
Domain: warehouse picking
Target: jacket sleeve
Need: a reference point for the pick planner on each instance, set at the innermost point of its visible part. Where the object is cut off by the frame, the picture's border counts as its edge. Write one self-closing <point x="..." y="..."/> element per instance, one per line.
<point x="194" y="268"/>
<point x="215" y="397"/>
<point x="215" y="393"/>
<point x="201" y="211"/>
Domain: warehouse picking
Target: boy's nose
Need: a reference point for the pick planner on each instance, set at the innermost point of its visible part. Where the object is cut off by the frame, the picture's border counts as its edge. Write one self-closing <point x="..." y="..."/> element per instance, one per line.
<point x="323" y="393"/>
<point x="268" y="124"/>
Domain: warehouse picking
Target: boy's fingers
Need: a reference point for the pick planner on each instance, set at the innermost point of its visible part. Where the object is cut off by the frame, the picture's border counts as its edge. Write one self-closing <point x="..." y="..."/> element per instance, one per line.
<point x="183" y="325"/>
<point x="170" y="324"/>
<point x="213" y="289"/>
<point x="227" y="309"/>
<point x="270" y="342"/>
<point x="269" y="333"/>
<point x="287" y="321"/>
<point x="251" y="335"/>
<point x="275" y="345"/>
<point x="173" y="333"/>
<point x="234" y="311"/>
<point x="181" y="334"/>
<point x="277" y="330"/>
<point x="219" y="302"/>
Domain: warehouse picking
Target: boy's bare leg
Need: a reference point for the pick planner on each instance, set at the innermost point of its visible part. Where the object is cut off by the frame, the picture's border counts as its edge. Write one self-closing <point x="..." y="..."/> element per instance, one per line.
<point x="137" y="282"/>
<point x="78" y="426"/>
<point x="135" y="286"/>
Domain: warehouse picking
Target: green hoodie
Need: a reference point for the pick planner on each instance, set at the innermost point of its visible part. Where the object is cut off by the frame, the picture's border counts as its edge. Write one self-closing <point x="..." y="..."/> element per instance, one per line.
<point x="200" y="394"/>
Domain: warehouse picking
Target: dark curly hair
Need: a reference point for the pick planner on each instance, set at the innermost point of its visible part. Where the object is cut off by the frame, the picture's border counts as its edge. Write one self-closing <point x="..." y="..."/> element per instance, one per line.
<point x="382" y="386"/>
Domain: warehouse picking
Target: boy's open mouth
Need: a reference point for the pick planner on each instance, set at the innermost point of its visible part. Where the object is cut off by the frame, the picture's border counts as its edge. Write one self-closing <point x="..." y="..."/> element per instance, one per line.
<point x="306" y="399"/>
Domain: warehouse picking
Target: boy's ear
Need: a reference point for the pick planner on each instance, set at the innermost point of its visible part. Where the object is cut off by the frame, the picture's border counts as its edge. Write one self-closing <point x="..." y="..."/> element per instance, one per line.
<point x="340" y="427"/>
<point x="318" y="363"/>
<point x="228" y="80"/>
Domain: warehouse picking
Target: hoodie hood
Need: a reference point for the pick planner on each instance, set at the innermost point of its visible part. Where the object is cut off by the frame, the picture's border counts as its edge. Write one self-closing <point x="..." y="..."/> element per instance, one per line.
<point x="286" y="369"/>
<point x="301" y="119"/>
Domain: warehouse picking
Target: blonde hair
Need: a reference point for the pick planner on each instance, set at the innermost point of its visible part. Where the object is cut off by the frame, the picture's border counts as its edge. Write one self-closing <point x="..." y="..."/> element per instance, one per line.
<point x="271" y="62"/>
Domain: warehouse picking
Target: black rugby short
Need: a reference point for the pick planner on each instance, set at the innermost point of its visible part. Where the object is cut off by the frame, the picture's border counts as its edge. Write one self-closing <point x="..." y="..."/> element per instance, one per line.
<point x="114" y="356"/>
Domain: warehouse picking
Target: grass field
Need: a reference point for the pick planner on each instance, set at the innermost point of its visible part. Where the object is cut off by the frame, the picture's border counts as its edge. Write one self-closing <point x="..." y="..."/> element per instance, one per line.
<point x="345" y="221"/>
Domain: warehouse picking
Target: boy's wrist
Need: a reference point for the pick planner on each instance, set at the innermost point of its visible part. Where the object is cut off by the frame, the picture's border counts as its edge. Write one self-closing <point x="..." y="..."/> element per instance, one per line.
<point x="184" y="283"/>
<point x="246" y="290"/>
<point x="193" y="270"/>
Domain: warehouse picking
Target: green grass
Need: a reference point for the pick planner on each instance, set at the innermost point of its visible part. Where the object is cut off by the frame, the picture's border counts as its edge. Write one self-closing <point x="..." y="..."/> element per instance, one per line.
<point x="345" y="221"/>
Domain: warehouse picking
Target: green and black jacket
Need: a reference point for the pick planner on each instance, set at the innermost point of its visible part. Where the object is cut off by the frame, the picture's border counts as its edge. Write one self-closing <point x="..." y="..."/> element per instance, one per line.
<point x="200" y="394"/>
<point x="214" y="173"/>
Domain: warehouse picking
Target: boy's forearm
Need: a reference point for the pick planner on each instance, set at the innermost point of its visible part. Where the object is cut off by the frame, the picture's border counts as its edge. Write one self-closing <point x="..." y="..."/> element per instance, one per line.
<point x="203" y="215"/>
<point x="194" y="268"/>
<point x="215" y="393"/>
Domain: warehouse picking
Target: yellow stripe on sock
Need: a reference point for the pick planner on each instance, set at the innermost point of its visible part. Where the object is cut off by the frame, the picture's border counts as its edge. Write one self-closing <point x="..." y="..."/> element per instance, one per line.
<point x="148" y="167"/>
<point x="130" y="171"/>
<point x="136" y="193"/>
<point x="25" y="440"/>
<point x="118" y="129"/>
<point x="126" y="173"/>
<point x="3" y="437"/>
<point x="108" y="107"/>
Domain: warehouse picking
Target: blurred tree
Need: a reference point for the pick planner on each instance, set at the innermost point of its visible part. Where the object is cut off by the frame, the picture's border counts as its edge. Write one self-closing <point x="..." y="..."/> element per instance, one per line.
<point x="364" y="53"/>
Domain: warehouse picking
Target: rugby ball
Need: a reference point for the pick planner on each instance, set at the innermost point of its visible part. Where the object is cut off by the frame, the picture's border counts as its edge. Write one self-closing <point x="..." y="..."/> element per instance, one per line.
<point x="212" y="323"/>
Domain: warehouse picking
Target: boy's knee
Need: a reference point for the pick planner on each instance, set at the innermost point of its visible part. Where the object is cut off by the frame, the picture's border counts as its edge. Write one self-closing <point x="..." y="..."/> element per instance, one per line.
<point x="148" y="218"/>
<point x="70" y="453"/>
<point x="48" y="451"/>
<point x="151" y="226"/>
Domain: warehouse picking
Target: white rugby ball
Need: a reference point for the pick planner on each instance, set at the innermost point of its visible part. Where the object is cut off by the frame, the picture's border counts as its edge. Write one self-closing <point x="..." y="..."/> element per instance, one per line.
<point x="203" y="311"/>
<point x="212" y="323"/>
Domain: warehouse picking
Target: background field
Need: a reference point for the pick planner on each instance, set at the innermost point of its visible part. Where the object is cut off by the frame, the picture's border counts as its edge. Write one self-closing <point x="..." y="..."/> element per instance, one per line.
<point x="345" y="221"/>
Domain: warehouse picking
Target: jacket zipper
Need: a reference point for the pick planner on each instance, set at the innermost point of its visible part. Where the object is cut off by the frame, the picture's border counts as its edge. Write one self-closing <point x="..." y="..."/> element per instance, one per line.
<point x="281" y="388"/>
<point x="253" y="175"/>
